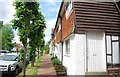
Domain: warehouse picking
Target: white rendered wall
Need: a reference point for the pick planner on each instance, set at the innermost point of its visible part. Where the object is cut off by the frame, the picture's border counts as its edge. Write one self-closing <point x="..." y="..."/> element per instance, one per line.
<point x="80" y="46"/>
<point x="51" y="51"/>
<point x="59" y="51"/>
<point x="75" y="61"/>
<point x="93" y="44"/>
<point x="69" y="61"/>
<point x="56" y="50"/>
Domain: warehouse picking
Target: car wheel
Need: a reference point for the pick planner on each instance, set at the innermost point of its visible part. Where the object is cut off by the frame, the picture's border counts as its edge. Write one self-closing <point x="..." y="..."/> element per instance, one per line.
<point x="16" y="71"/>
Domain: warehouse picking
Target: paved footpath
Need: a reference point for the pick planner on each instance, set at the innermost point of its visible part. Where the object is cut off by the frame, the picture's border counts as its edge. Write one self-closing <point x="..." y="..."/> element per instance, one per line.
<point x="46" y="69"/>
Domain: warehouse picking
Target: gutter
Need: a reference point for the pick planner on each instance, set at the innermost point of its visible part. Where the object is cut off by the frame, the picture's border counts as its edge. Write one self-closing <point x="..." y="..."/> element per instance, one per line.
<point x="61" y="40"/>
<point x="60" y="17"/>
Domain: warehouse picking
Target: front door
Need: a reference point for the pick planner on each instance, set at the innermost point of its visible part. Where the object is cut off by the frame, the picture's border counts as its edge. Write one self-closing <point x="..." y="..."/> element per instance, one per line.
<point x="96" y="56"/>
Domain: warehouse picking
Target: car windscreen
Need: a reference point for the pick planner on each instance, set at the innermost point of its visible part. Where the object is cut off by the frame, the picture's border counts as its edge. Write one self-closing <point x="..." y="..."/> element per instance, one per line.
<point x="9" y="57"/>
<point x="3" y="51"/>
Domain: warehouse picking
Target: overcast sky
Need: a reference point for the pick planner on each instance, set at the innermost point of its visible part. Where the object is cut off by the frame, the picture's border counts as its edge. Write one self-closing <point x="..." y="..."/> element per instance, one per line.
<point x="49" y="9"/>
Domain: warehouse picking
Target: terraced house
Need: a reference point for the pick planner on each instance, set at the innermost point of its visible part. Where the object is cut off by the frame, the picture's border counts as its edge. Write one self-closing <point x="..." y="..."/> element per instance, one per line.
<point x="86" y="37"/>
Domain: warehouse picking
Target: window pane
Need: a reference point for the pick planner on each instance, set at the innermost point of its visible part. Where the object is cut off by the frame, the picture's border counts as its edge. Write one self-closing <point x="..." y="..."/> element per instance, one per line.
<point x="109" y="59"/>
<point x="68" y="8"/>
<point x="59" y="27"/>
<point x="114" y="37"/>
<point x="108" y="39"/>
<point x="115" y="52"/>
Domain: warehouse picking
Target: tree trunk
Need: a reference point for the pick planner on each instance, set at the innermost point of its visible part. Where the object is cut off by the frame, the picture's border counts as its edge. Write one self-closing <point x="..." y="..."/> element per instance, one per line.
<point x="24" y="61"/>
<point x="34" y="56"/>
<point x="38" y="53"/>
<point x="33" y="59"/>
<point x="32" y="62"/>
<point x="25" y="45"/>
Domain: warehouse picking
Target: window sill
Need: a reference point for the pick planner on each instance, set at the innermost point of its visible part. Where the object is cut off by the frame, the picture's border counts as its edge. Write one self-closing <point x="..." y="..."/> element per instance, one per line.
<point x="67" y="55"/>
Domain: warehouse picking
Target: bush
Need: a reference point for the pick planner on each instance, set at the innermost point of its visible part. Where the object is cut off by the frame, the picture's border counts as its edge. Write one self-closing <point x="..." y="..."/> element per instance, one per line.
<point x="54" y="58"/>
<point x="56" y="62"/>
<point x="47" y="52"/>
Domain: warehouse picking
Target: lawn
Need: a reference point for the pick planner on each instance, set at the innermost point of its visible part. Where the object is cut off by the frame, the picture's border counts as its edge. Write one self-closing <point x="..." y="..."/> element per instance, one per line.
<point x="32" y="71"/>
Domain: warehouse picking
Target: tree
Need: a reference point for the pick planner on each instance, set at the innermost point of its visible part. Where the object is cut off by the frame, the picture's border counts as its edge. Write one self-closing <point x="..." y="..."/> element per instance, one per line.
<point x="7" y="36"/>
<point x="40" y="46"/>
<point x="37" y="34"/>
<point x="1" y="24"/>
<point x="46" y="48"/>
<point x="25" y="11"/>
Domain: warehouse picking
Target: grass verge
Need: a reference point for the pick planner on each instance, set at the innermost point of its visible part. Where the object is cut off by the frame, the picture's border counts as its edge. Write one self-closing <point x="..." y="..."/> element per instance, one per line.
<point x="32" y="71"/>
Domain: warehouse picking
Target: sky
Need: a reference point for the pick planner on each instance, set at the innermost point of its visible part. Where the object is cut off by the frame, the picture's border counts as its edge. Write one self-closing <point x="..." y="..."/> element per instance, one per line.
<point x="49" y="9"/>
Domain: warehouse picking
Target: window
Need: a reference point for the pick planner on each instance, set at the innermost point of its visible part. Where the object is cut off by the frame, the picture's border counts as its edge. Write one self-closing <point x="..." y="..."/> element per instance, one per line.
<point x="67" y="43"/>
<point x="59" y="27"/>
<point x="113" y="51"/>
<point x="68" y="8"/>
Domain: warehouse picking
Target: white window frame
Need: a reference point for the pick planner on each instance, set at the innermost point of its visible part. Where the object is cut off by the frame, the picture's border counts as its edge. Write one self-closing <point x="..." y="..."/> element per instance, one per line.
<point x="59" y="27"/>
<point x="67" y="45"/>
<point x="68" y="8"/>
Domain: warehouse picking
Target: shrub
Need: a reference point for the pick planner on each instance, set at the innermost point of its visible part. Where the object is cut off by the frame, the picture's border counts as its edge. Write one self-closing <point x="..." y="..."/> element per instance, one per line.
<point x="56" y="62"/>
<point x="54" y="58"/>
<point x="47" y="52"/>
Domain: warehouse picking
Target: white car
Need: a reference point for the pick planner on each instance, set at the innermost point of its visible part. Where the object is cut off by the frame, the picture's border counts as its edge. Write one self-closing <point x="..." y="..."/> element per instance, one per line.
<point x="9" y="63"/>
<point x="3" y="52"/>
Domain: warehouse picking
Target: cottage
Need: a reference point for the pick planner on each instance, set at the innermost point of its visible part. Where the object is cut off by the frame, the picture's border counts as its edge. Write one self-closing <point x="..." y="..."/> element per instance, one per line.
<point x="86" y="37"/>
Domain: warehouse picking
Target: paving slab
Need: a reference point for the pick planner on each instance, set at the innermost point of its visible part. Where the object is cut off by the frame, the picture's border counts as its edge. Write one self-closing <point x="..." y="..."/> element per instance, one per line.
<point x="46" y="68"/>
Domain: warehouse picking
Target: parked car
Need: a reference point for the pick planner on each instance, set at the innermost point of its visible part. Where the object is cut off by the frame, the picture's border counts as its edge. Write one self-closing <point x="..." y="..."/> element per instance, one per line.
<point x="10" y="63"/>
<point x="3" y="52"/>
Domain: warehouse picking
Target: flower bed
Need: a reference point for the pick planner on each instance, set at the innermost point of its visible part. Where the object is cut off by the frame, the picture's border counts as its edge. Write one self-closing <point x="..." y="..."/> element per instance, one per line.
<point x="60" y="69"/>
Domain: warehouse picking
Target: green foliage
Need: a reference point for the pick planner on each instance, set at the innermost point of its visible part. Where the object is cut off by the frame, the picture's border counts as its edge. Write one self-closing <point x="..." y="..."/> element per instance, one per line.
<point x="21" y="53"/>
<point x="7" y="36"/>
<point x="56" y="61"/>
<point x="1" y="35"/>
<point x="37" y="35"/>
<point x="30" y="24"/>
<point x="30" y="53"/>
<point x="46" y="48"/>
<point x="54" y="58"/>
<point x="25" y="12"/>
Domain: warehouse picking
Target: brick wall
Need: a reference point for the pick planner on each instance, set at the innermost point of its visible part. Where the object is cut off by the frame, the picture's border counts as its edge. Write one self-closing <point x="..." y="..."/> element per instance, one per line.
<point x="67" y="27"/>
<point x="67" y="24"/>
<point x="58" y="36"/>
